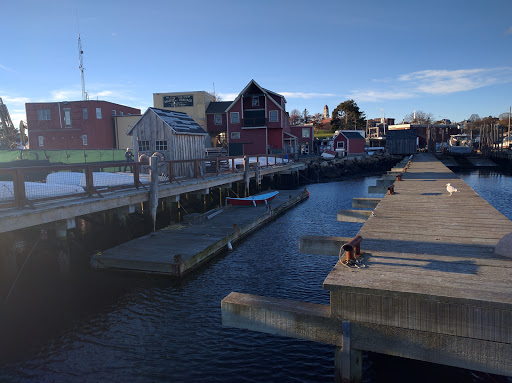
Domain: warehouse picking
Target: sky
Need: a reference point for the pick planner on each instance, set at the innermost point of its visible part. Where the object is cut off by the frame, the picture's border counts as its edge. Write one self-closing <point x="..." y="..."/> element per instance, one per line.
<point x="451" y="58"/>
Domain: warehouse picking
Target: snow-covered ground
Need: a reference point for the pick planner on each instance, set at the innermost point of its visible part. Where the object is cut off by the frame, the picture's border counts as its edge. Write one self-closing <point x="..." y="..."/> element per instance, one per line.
<point x="36" y="190"/>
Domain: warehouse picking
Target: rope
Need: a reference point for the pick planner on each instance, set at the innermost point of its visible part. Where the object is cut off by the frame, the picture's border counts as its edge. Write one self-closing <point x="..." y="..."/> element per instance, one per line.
<point x="21" y="270"/>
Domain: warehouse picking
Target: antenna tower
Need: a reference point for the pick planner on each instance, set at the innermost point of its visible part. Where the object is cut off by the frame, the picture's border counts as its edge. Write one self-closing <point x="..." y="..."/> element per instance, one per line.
<point x="81" y="67"/>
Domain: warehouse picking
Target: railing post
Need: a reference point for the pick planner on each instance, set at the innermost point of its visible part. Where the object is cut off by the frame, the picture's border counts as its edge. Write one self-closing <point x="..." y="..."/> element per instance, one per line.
<point x="136" y="174"/>
<point x="19" y="188"/>
<point x="89" y="181"/>
<point x="217" y="170"/>
<point x="196" y="169"/>
<point x="171" y="172"/>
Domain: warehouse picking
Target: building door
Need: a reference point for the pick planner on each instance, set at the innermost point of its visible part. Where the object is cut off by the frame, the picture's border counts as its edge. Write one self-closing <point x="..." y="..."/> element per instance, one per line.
<point x="236" y="149"/>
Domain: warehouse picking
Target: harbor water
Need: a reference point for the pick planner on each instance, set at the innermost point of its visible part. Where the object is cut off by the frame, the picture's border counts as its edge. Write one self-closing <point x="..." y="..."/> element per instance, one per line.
<point x="116" y="327"/>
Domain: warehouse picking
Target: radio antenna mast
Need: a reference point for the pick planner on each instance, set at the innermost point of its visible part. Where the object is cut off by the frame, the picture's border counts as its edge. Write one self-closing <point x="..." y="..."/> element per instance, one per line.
<point x="81" y="66"/>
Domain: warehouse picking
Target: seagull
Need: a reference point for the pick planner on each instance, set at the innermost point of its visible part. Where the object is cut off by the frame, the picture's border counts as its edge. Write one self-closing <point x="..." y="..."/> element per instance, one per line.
<point x="451" y="189"/>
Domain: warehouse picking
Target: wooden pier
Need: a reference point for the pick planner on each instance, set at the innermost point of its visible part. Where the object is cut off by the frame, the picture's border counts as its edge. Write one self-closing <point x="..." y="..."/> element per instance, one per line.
<point x="178" y="249"/>
<point x="430" y="286"/>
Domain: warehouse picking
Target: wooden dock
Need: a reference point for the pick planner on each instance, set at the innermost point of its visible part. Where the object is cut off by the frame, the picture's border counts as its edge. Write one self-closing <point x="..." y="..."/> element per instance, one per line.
<point x="432" y="288"/>
<point x="178" y="249"/>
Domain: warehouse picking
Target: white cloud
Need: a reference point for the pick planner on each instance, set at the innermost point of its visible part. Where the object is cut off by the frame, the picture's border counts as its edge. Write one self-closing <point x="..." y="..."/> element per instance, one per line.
<point x="14" y="100"/>
<point x="435" y="82"/>
<point x="227" y="96"/>
<point x="6" y="68"/>
<point x="66" y="95"/>
<point x="306" y="95"/>
<point x="509" y="31"/>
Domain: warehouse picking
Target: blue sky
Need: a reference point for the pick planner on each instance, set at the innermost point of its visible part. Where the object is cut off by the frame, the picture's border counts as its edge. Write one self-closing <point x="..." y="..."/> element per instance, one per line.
<point x="451" y="58"/>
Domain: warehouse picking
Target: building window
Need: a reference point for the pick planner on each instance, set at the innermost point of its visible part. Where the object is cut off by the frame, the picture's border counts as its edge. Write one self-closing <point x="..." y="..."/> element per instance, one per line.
<point x="85" y="114"/>
<point x="255" y="100"/>
<point x="306" y="133"/>
<point x="121" y="113"/>
<point x="273" y="116"/>
<point x="84" y="140"/>
<point x="41" y="140"/>
<point x="235" y="117"/>
<point x="43" y="114"/>
<point x="98" y="113"/>
<point x="235" y="135"/>
<point x="143" y="146"/>
<point x="113" y="113"/>
<point x="67" y="117"/>
<point x="218" y="119"/>
<point x="340" y="145"/>
<point x="160" y="145"/>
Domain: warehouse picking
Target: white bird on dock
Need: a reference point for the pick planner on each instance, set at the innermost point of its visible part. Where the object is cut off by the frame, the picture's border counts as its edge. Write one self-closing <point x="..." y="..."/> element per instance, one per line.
<point x="451" y="189"/>
<point x="230" y="246"/>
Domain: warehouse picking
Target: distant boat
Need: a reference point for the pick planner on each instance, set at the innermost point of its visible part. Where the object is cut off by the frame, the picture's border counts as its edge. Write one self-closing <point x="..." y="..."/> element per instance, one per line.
<point x="254" y="200"/>
<point x="460" y="144"/>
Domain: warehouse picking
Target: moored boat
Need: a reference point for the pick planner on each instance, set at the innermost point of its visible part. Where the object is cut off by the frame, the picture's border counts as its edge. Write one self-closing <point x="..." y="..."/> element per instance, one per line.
<point x="460" y="144"/>
<point x="254" y="200"/>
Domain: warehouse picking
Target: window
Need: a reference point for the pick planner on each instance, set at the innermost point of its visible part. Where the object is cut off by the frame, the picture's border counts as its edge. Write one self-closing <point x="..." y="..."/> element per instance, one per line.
<point x="43" y="114"/>
<point x="255" y="100"/>
<point x="218" y="119"/>
<point x="235" y="135"/>
<point x="113" y="113"/>
<point x="85" y="115"/>
<point x="67" y="117"/>
<point x="306" y="133"/>
<point x="98" y="113"/>
<point x="341" y="145"/>
<point x="41" y="140"/>
<point x="273" y="116"/>
<point x="143" y="146"/>
<point x="235" y="117"/>
<point x="160" y="145"/>
<point x="84" y="140"/>
<point x="121" y="113"/>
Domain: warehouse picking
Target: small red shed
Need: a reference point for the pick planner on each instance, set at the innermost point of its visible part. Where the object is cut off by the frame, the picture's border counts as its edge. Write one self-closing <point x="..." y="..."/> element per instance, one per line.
<point x="349" y="143"/>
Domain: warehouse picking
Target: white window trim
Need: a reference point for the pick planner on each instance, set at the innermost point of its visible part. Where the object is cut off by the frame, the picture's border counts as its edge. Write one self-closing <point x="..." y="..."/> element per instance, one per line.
<point x="41" y="140"/>
<point x="84" y="140"/>
<point x="85" y="113"/>
<point x="215" y="119"/>
<point x="255" y="101"/>
<point x="235" y="135"/>
<point x="98" y="113"/>
<point x="232" y="114"/>
<point x="342" y="146"/>
<point x="308" y="133"/>
<point x="67" y="121"/>
<point x="270" y="112"/>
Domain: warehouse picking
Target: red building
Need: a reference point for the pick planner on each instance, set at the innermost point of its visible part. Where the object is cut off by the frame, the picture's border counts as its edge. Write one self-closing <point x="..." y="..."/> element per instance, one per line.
<point x="74" y="124"/>
<point x="256" y="122"/>
<point x="349" y="143"/>
<point x="305" y="137"/>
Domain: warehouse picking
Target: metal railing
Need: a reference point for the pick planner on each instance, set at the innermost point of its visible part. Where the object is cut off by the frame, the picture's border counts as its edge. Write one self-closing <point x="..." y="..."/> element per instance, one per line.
<point x="23" y="186"/>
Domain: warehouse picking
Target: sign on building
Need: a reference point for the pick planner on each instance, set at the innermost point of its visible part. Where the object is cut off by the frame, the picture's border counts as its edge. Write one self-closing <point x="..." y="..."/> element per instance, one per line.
<point x="178" y="101"/>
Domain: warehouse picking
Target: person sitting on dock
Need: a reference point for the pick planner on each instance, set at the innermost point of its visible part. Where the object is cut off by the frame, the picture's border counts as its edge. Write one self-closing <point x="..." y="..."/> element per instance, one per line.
<point x="129" y="158"/>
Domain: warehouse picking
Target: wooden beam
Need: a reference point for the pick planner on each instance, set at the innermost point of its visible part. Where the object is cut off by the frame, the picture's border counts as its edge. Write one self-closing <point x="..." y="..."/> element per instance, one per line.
<point x="309" y="321"/>
<point x="365" y="203"/>
<point x="359" y="216"/>
<point x="314" y="244"/>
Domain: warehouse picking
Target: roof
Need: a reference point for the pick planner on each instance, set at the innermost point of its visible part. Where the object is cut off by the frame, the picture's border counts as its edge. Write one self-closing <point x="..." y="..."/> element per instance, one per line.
<point x="401" y="134"/>
<point x="178" y="121"/>
<point x="264" y="91"/>
<point x="352" y="135"/>
<point x="218" y="106"/>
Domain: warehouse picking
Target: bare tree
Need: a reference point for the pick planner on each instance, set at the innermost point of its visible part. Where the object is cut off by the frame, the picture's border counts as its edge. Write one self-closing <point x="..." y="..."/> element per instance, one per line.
<point x="419" y="117"/>
<point x="295" y="117"/>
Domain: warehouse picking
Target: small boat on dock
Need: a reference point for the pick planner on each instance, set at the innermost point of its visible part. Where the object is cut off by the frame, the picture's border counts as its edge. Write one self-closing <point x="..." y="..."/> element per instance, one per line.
<point x="460" y="144"/>
<point x="254" y="200"/>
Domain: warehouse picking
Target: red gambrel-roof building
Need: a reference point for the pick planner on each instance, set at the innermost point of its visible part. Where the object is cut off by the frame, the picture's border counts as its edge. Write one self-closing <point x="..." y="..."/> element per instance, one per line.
<point x="256" y="122"/>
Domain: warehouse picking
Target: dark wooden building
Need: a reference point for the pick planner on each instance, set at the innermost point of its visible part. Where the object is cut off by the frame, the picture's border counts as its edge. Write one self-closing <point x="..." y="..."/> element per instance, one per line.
<point x="401" y="141"/>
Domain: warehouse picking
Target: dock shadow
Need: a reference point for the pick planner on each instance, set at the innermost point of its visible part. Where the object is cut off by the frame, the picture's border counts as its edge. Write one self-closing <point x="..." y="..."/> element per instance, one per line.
<point x="431" y="193"/>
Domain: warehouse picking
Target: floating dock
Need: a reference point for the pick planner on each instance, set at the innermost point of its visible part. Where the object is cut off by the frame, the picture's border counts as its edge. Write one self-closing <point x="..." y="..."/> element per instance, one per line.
<point x="179" y="249"/>
<point x="430" y="286"/>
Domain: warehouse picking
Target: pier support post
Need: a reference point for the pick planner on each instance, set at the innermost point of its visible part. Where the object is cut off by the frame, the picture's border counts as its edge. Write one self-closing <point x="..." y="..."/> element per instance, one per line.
<point x="348" y="362"/>
<point x="153" y="188"/>
<point x="61" y="235"/>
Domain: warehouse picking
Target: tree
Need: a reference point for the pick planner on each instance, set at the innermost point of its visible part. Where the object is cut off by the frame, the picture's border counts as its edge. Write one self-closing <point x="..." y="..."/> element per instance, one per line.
<point x="295" y="117"/>
<point x="419" y="117"/>
<point x="348" y="116"/>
